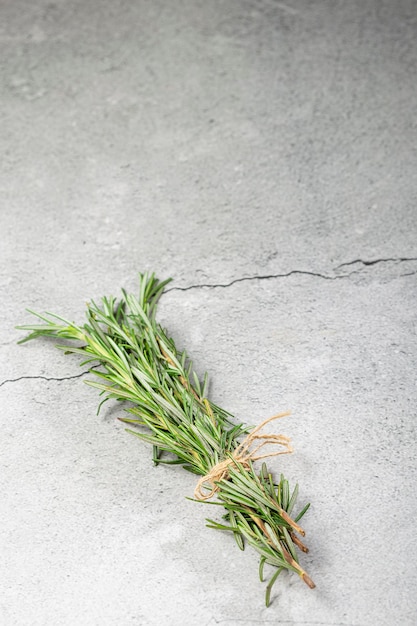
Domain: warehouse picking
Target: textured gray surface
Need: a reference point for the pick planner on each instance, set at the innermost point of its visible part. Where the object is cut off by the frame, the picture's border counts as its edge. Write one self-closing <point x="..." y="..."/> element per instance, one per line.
<point x="268" y="150"/>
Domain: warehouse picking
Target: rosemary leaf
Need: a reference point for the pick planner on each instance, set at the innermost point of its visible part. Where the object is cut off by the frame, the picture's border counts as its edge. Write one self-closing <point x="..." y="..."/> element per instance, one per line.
<point x="140" y="365"/>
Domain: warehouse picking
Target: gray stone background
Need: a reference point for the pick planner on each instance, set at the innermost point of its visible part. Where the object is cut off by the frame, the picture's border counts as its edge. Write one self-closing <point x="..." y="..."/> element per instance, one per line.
<point x="263" y="154"/>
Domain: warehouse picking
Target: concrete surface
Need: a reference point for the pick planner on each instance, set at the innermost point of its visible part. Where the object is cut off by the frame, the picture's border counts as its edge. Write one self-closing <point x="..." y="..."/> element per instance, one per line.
<point x="264" y="155"/>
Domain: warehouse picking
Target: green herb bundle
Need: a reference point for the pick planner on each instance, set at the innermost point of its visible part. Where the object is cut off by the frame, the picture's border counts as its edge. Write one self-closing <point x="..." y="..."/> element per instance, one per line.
<point x="137" y="363"/>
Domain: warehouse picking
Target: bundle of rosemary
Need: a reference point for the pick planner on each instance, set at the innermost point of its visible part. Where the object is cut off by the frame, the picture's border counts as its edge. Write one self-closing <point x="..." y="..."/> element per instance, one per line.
<point x="136" y="362"/>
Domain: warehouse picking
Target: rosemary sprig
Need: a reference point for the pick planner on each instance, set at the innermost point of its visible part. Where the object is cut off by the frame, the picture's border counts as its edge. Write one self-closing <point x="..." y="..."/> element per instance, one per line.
<point x="168" y="408"/>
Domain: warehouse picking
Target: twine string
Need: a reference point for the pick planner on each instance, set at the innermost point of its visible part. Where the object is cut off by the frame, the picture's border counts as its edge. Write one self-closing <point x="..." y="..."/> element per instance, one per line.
<point x="207" y="487"/>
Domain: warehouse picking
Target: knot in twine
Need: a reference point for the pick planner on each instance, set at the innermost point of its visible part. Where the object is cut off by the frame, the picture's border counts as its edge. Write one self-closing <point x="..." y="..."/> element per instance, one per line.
<point x="243" y="455"/>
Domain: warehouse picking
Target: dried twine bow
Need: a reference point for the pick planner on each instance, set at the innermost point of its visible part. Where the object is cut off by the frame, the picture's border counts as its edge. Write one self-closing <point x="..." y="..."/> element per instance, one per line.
<point x="243" y="455"/>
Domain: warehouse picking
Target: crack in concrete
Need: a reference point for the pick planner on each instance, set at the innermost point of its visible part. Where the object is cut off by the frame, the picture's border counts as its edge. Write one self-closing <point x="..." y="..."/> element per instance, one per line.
<point x="273" y="621"/>
<point x="15" y="380"/>
<point x="376" y="261"/>
<point x="248" y="278"/>
<point x="365" y="263"/>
